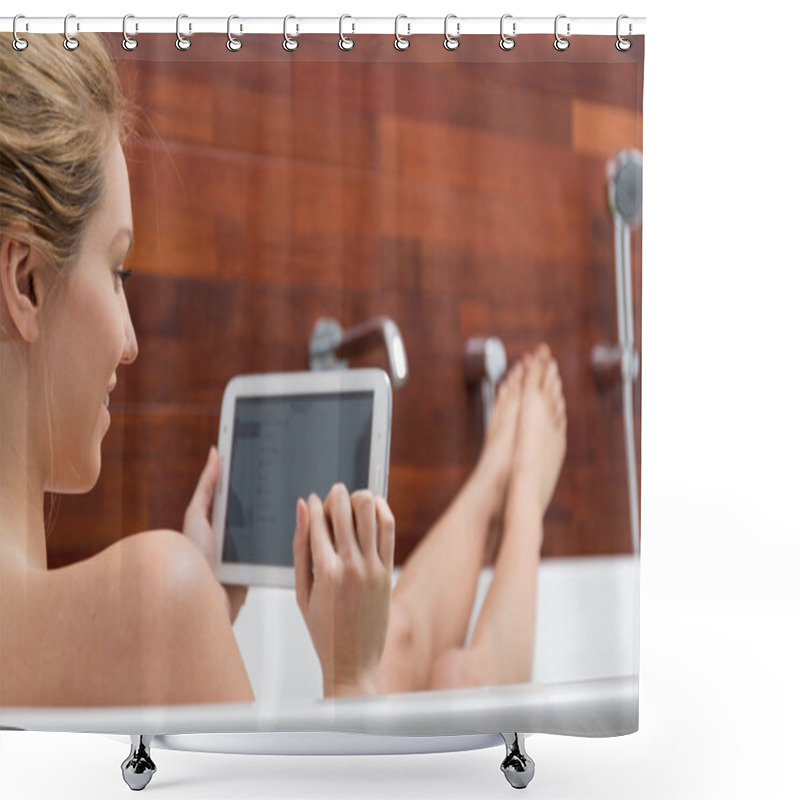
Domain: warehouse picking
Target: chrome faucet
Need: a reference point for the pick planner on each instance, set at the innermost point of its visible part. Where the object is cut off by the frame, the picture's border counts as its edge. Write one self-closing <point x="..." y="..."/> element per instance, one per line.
<point x="330" y="346"/>
<point x="485" y="362"/>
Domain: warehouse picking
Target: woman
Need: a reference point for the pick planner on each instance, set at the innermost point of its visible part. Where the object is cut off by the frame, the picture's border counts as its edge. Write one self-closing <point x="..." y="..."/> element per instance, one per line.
<point x="145" y="621"/>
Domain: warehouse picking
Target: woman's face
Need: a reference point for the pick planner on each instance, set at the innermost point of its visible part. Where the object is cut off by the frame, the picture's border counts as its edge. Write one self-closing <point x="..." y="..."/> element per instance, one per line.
<point x="87" y="334"/>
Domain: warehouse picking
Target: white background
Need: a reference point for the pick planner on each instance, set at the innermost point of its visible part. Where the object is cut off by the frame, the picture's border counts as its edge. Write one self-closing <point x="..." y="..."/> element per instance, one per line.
<point x="720" y="603"/>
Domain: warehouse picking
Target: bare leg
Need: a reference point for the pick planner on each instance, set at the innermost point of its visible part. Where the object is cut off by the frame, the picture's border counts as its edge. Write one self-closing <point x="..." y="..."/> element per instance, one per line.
<point x="434" y="596"/>
<point x="501" y="649"/>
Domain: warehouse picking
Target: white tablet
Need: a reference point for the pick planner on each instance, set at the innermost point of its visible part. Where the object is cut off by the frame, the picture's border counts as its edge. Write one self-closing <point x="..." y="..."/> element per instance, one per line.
<point x="284" y="436"/>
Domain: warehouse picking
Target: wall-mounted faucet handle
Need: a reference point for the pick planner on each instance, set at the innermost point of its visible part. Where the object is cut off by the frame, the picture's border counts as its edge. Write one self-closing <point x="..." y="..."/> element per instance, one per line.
<point x="485" y="363"/>
<point x="330" y="346"/>
<point x="612" y="364"/>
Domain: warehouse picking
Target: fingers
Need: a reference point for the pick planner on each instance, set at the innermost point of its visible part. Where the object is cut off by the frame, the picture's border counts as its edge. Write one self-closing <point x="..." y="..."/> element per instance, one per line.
<point x="363" y="528"/>
<point x="364" y="512"/>
<point x="322" y="552"/>
<point x="386" y="530"/>
<point x="339" y="513"/>
<point x="355" y="522"/>
<point x="303" y="577"/>
<point x="204" y="492"/>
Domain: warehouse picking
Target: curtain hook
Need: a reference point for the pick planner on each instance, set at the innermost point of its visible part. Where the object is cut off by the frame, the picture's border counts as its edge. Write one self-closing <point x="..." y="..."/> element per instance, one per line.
<point x="623" y="44"/>
<point x="128" y="42"/>
<point x="345" y="43"/>
<point x="70" y="43"/>
<point x="451" y="42"/>
<point x="507" y="42"/>
<point x="18" y="44"/>
<point x="182" y="43"/>
<point x="401" y="42"/>
<point x="233" y="44"/>
<point x="290" y="43"/>
<point x="561" y="43"/>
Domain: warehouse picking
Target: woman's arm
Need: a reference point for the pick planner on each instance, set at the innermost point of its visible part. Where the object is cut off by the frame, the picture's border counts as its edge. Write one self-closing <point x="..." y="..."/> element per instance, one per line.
<point x="141" y="623"/>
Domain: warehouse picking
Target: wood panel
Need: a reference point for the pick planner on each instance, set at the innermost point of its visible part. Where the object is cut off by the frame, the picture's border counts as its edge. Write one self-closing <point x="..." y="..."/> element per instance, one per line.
<point x="460" y="194"/>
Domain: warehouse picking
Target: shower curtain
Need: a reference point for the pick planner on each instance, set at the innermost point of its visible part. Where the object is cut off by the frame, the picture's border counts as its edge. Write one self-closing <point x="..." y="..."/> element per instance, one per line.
<point x="480" y="200"/>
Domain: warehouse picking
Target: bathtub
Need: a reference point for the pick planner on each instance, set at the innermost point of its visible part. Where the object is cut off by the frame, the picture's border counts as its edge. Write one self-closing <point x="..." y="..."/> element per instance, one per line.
<point x="584" y="683"/>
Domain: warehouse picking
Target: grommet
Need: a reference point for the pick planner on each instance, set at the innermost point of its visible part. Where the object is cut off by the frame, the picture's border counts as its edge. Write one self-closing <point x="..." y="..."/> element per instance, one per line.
<point x="561" y="43"/>
<point x="70" y="42"/>
<point x="623" y="44"/>
<point x="400" y="42"/>
<point x="182" y="43"/>
<point x="290" y="43"/>
<point x="345" y="42"/>
<point x="233" y="44"/>
<point x="18" y="44"/>
<point x="451" y="42"/>
<point x="506" y="41"/>
<point x="128" y="43"/>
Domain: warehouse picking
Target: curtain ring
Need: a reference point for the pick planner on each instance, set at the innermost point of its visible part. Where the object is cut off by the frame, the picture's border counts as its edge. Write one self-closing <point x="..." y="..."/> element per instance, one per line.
<point x="70" y="43"/>
<point x="182" y="43"/>
<point x="623" y="44"/>
<point x="18" y="43"/>
<point x="451" y="42"/>
<point x="233" y="44"/>
<point x="128" y="43"/>
<point x="561" y="43"/>
<point x="507" y="42"/>
<point x="400" y="42"/>
<point x="290" y="43"/>
<point x="345" y="43"/>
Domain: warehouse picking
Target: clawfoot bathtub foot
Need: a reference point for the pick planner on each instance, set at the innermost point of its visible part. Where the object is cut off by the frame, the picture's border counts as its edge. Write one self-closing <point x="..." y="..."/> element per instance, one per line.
<point x="518" y="766"/>
<point x="138" y="768"/>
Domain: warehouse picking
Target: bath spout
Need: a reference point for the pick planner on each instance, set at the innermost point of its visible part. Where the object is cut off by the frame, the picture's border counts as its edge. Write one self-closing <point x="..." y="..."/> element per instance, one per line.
<point x="485" y="362"/>
<point x="330" y="346"/>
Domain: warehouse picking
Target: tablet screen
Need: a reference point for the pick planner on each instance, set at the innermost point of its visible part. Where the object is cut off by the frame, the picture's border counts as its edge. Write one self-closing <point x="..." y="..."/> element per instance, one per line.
<point x="284" y="448"/>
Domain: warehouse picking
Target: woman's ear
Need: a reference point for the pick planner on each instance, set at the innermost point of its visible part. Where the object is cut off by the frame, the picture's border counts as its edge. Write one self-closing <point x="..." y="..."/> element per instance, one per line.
<point x="20" y="287"/>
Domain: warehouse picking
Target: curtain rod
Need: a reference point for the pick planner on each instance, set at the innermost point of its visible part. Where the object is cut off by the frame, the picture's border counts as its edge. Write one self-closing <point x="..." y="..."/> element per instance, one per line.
<point x="297" y="26"/>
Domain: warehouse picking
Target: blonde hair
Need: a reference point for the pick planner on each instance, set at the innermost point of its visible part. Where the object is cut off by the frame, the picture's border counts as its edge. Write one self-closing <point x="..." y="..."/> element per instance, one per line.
<point x="59" y="112"/>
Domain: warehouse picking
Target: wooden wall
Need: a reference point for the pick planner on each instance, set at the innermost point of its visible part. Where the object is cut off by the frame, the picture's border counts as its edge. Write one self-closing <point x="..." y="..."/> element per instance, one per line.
<point x="459" y="193"/>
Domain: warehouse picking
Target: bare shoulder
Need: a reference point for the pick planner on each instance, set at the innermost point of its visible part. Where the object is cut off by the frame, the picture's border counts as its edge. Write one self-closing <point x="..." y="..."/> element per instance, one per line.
<point x="144" y="621"/>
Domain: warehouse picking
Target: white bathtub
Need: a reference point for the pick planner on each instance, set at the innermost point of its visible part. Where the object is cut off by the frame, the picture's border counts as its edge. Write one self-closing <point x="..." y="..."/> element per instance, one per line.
<point x="584" y="683"/>
<point x="587" y="628"/>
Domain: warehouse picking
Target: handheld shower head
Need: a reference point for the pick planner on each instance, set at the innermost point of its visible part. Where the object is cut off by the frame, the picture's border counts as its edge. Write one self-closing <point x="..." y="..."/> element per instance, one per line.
<point x="624" y="175"/>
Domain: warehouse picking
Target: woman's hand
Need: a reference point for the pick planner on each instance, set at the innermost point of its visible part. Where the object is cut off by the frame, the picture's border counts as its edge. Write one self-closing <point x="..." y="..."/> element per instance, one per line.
<point x="343" y="560"/>
<point x="197" y="527"/>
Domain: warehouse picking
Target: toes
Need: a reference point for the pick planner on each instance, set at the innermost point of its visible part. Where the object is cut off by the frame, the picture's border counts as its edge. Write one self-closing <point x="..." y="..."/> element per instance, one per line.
<point x="554" y="389"/>
<point x="543" y="352"/>
<point x="516" y="375"/>
<point x="512" y="380"/>
<point x="535" y="367"/>
<point x="552" y="380"/>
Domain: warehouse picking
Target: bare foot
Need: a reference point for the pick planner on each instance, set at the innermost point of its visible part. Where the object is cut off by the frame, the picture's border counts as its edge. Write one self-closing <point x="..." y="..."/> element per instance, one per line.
<point x="498" y="449"/>
<point x="542" y="428"/>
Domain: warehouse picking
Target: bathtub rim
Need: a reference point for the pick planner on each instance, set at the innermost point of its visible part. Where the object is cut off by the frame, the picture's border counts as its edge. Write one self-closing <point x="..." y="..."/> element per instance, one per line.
<point x="600" y="707"/>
